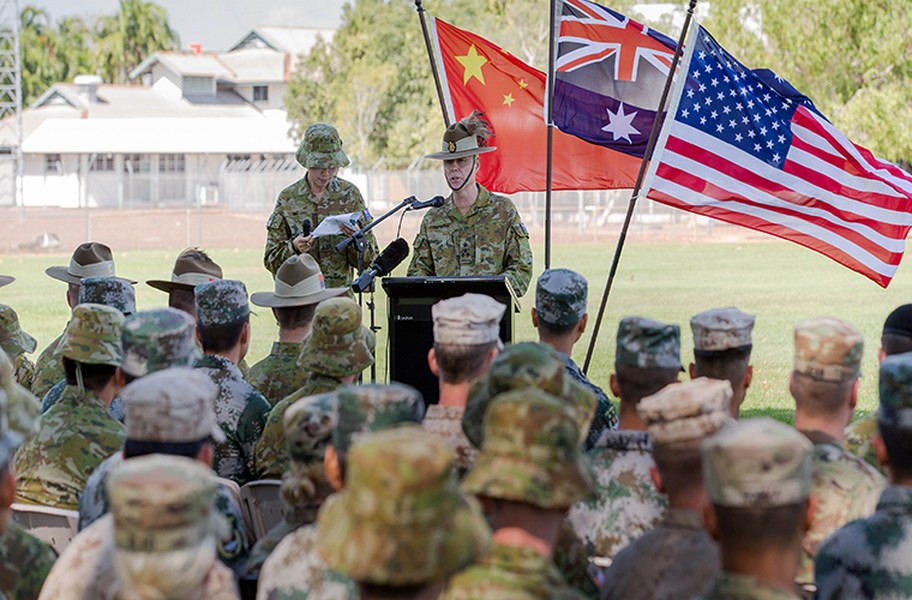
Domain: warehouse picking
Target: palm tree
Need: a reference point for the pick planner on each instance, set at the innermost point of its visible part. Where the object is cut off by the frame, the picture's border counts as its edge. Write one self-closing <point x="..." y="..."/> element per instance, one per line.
<point x="124" y="40"/>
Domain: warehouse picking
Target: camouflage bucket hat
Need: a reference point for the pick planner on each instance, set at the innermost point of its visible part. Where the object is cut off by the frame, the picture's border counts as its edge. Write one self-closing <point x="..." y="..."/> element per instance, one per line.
<point x="531" y="453"/>
<point x="90" y="259"/>
<point x="298" y="282"/>
<point x="321" y="148"/>
<point x="646" y="343"/>
<point x="309" y="424"/>
<point x="336" y="345"/>
<point x="828" y="349"/>
<point x="375" y="407"/>
<point x="191" y="268"/>
<point x="110" y="291"/>
<point x="158" y="339"/>
<point x="13" y="339"/>
<point x="686" y="411"/>
<point x="720" y="329"/>
<point x="896" y="391"/>
<point x="519" y="366"/>
<point x="93" y="335"/>
<point x="402" y="510"/>
<point x="22" y="407"/>
<point x="221" y="302"/>
<point x="560" y="297"/>
<point x="162" y="503"/>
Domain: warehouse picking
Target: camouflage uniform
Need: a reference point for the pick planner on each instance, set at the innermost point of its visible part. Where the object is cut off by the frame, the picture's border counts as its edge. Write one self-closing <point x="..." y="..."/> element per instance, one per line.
<point x="858" y="441"/>
<point x="47" y="371"/>
<point x="25" y="562"/>
<point x="446" y="423"/>
<point x="25" y="371"/>
<point x="16" y="343"/>
<point x="732" y="586"/>
<point x="21" y="404"/>
<point x="278" y="375"/>
<point x="116" y="409"/>
<point x="321" y="148"/>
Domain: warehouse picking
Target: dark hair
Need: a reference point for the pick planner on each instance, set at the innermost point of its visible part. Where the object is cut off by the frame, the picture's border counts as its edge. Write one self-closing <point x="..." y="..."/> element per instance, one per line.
<point x="760" y="528"/>
<point x="636" y="383"/>
<point x="894" y="343"/>
<point x="730" y="365"/>
<point x="461" y="364"/>
<point x="94" y="377"/>
<point x="134" y="448"/>
<point x="819" y="398"/>
<point x="295" y="317"/>
<point x="221" y="338"/>
<point x="899" y="449"/>
<point x="553" y="329"/>
<point x="680" y="465"/>
<point x="182" y="299"/>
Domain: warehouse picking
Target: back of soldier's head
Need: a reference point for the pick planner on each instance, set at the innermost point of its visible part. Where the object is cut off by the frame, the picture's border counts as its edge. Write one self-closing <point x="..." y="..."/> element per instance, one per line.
<point x="560" y="301"/>
<point x="466" y="329"/>
<point x="647" y="358"/>
<point x="827" y="365"/>
<point x="894" y="416"/>
<point x="896" y="337"/>
<point x="722" y="347"/>
<point x="222" y="310"/>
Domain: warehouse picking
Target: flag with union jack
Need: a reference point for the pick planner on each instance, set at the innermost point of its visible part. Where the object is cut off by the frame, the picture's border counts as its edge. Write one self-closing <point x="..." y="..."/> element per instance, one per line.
<point x="609" y="75"/>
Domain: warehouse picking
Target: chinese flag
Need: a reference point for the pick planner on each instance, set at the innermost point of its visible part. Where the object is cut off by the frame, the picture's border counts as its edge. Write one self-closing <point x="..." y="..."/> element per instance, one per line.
<point x="476" y="74"/>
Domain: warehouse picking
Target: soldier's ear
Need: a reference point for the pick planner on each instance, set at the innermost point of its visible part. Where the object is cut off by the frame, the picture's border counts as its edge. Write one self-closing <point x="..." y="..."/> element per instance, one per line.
<point x="880" y="451"/>
<point x="332" y="468"/>
<point x="811" y="511"/>
<point x="534" y="318"/>
<point x="581" y="325"/>
<point x="432" y="363"/>
<point x="709" y="520"/>
<point x="748" y="376"/>
<point x="657" y="479"/>
<point x="692" y="370"/>
<point x="613" y="384"/>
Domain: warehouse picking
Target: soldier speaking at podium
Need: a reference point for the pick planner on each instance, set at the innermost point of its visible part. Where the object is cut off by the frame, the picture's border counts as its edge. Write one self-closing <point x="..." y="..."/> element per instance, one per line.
<point x="475" y="232"/>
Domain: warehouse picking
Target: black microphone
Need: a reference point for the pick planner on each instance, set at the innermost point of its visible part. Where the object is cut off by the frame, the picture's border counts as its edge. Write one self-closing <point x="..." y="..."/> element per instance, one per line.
<point x="385" y="262"/>
<point x="435" y="202"/>
<point x="306" y="228"/>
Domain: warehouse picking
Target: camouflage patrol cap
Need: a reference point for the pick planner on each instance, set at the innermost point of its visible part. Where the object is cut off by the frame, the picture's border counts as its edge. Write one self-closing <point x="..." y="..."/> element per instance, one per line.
<point x="519" y="366"/>
<point x="221" y="302"/>
<point x="467" y="320"/>
<point x="157" y="339"/>
<point x="686" y="411"/>
<point x="93" y="335"/>
<point x="321" y="148"/>
<point x="22" y="407"/>
<point x="560" y="297"/>
<point x="336" y="345"/>
<point x="192" y="267"/>
<point x="828" y="349"/>
<point x="402" y="512"/>
<point x="646" y="343"/>
<point x="162" y="503"/>
<point x="174" y="405"/>
<point x="375" y="407"/>
<point x="896" y="391"/>
<point x="309" y="424"/>
<point x="13" y="339"/>
<point x="298" y="282"/>
<point x="531" y="453"/>
<point x="720" y="329"/>
<point x="757" y="463"/>
<point x="90" y="259"/>
<point x="110" y="291"/>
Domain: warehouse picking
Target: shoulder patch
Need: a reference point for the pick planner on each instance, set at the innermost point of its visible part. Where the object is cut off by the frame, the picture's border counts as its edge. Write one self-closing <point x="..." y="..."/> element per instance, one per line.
<point x="520" y="229"/>
<point x="270" y="220"/>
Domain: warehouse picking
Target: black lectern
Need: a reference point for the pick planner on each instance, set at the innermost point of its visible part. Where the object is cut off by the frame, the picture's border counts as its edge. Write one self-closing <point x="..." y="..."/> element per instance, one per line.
<point x="411" y="329"/>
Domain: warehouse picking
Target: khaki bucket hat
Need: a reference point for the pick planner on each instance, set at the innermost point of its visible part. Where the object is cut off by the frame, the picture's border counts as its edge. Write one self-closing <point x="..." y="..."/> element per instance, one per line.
<point x="6" y="280"/>
<point x="191" y="268"/>
<point x="90" y="259"/>
<point x="298" y="282"/>
<point x="461" y="139"/>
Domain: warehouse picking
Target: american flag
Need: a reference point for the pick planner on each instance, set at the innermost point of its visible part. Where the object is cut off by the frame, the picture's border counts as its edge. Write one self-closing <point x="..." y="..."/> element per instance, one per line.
<point x="745" y="147"/>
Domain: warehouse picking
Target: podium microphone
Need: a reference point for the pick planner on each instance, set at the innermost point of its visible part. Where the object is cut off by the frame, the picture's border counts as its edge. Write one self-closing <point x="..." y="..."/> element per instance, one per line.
<point x="435" y="202"/>
<point x="385" y="262"/>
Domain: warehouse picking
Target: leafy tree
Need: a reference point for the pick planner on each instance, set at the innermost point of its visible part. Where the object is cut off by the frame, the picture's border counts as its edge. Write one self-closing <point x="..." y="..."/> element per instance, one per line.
<point x="124" y="40"/>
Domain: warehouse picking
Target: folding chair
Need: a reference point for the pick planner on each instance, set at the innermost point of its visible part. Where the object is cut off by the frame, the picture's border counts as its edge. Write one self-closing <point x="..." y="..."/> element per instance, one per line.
<point x="261" y="505"/>
<point x="55" y="526"/>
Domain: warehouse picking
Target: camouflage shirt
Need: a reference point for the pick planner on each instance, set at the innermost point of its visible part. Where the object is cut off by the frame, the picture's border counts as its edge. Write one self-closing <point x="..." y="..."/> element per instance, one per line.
<point x="116" y="409"/>
<point x="488" y="240"/>
<point x="846" y="488"/>
<point x="446" y="422"/>
<point x="509" y="572"/>
<point x="74" y="437"/>
<point x="25" y="371"/>
<point x="278" y="375"/>
<point x="606" y="416"/>
<point x="296" y="203"/>
<point x="25" y="562"/>
<point x="730" y="586"/>
<point x="241" y="412"/>
<point x="271" y="449"/>
<point x="48" y="369"/>
<point x="626" y="504"/>
<point x="858" y="437"/>
<point x="869" y="559"/>
<point x="677" y="559"/>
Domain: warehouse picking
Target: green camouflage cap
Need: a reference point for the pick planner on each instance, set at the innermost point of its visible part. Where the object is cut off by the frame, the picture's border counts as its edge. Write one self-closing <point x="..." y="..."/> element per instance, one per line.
<point x="519" y="366"/>
<point x="110" y="291"/>
<point x="467" y="320"/>
<point x="757" y="463"/>
<point x="221" y="302"/>
<point x="531" y="453"/>
<point x="336" y="345"/>
<point x="686" y="411"/>
<point x="560" y="297"/>
<point x="22" y="407"/>
<point x="828" y="349"/>
<point x="646" y="343"/>
<point x="375" y="407"/>
<point x="13" y="339"/>
<point x="401" y="519"/>
<point x="896" y="391"/>
<point x="158" y="339"/>
<point x="321" y="148"/>
<point x="163" y="503"/>
<point x="93" y="335"/>
<point x="719" y="329"/>
<point x="309" y="424"/>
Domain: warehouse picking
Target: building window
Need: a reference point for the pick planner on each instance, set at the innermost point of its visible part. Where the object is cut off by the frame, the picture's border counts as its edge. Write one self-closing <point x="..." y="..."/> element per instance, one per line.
<point x="103" y="162"/>
<point x="53" y="164"/>
<point x="195" y="85"/>
<point x="137" y="163"/>
<point x="171" y="163"/>
<point x="260" y="93"/>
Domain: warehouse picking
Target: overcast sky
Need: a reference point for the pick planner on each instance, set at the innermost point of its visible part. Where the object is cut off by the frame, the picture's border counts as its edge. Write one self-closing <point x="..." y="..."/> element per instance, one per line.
<point x="214" y="23"/>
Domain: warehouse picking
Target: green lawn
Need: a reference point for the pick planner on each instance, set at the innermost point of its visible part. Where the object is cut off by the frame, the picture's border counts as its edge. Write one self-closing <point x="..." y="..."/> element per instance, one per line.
<point x="779" y="283"/>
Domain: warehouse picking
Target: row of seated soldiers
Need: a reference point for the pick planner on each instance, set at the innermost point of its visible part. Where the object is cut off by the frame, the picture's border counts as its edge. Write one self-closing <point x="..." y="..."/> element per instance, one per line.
<point x="625" y="516"/>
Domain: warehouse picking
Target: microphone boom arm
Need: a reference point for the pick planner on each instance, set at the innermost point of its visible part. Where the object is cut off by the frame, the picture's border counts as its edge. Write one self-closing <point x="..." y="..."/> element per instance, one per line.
<point x="341" y="246"/>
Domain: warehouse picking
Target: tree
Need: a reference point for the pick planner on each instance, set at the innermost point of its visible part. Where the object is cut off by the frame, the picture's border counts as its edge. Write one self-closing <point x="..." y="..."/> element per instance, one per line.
<point x="124" y="40"/>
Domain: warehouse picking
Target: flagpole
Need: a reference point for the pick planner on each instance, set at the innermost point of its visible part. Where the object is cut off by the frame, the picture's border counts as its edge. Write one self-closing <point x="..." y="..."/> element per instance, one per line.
<point x="430" y="51"/>
<point x="549" y="120"/>
<point x="647" y="156"/>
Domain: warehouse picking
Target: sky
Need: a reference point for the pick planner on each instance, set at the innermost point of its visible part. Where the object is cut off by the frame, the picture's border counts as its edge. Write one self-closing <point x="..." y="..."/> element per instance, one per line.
<point x="215" y="23"/>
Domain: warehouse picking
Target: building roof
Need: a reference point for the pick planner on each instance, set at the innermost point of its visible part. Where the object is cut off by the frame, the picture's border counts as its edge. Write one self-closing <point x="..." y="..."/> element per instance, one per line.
<point x="294" y="40"/>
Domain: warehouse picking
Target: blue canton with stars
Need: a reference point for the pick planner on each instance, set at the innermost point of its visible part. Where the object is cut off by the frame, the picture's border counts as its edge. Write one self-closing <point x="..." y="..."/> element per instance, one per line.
<point x="748" y="109"/>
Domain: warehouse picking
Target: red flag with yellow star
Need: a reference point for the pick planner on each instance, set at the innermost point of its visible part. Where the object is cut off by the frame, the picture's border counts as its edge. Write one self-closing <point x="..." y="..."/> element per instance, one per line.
<point x="476" y="74"/>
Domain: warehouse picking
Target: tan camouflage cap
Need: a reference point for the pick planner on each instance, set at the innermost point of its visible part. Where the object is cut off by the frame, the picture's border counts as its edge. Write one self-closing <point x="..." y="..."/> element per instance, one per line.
<point x="686" y="411"/>
<point x="90" y="259"/>
<point x="560" y="297"/>
<point x="5" y="280"/>
<point x="519" y="366"/>
<point x="163" y="503"/>
<point x="298" y="282"/>
<point x="13" y="339"/>
<point x="401" y="519"/>
<point x="221" y="302"/>
<point x="309" y="424"/>
<point x="93" y="335"/>
<point x="157" y="339"/>
<point x="110" y="291"/>
<point x="321" y="148"/>
<point x="531" y="453"/>
<point x="191" y="268"/>
<point x="720" y="329"/>
<point x="174" y="405"/>
<point x="22" y="407"/>
<point x="336" y="345"/>
<point x="646" y="343"/>
<point x="828" y="349"/>
<point x="896" y="391"/>
<point x="757" y="463"/>
<point x="367" y="408"/>
<point x="460" y="140"/>
<point x="467" y="320"/>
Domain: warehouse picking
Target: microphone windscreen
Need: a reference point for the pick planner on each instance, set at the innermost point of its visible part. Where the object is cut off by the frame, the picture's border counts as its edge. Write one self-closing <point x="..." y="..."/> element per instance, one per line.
<point x="306" y="227"/>
<point x="391" y="256"/>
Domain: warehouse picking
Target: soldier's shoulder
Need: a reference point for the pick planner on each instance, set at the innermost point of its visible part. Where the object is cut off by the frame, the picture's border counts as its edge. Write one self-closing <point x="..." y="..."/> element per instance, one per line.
<point x="836" y="464"/>
<point x="291" y="192"/>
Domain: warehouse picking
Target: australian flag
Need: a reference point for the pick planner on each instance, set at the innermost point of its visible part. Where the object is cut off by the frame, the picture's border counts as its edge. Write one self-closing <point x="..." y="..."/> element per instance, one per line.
<point x="609" y="76"/>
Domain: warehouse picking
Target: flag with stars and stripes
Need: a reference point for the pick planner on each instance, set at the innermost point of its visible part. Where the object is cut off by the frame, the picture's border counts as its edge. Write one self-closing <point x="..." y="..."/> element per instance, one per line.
<point x="745" y="147"/>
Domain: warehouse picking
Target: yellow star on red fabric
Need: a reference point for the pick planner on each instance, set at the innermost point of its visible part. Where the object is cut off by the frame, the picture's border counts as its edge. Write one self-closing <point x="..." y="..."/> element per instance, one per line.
<point x="508" y="99"/>
<point x="472" y="62"/>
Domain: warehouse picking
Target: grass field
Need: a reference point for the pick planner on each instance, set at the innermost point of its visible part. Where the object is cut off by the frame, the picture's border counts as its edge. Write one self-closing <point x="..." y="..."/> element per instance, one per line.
<point x="779" y="283"/>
